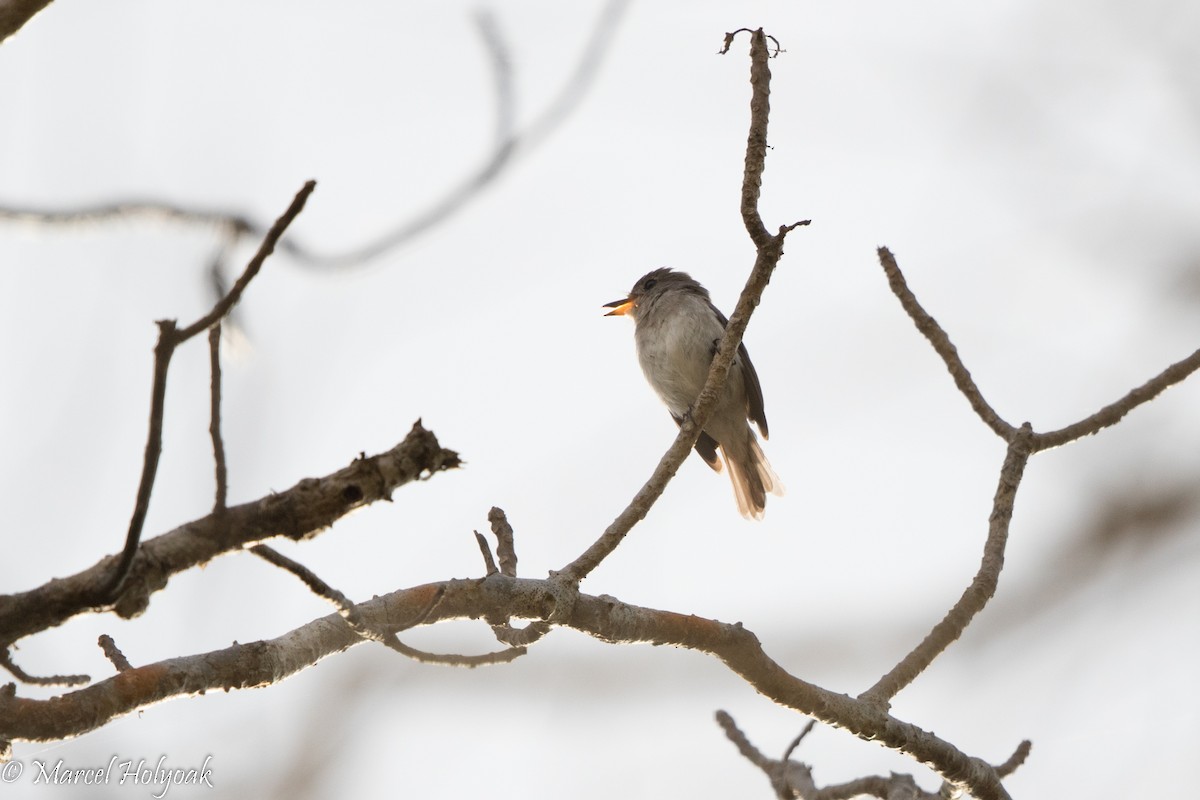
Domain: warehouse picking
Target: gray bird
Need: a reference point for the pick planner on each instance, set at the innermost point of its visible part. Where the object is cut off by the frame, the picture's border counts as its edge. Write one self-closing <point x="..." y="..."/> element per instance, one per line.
<point x="677" y="330"/>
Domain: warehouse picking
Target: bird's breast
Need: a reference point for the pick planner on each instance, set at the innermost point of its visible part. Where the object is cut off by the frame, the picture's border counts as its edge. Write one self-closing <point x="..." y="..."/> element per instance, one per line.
<point x="675" y="351"/>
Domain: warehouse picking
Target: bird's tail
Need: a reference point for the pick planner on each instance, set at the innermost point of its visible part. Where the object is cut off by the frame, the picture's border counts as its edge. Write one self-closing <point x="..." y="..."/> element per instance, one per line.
<point x="751" y="475"/>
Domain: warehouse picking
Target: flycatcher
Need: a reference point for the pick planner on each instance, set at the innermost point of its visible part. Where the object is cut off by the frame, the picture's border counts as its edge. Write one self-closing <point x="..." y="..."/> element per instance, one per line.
<point x="677" y="330"/>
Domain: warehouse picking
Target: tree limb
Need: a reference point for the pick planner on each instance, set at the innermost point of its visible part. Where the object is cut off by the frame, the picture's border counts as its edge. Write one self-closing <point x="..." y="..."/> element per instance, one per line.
<point x="263" y="663"/>
<point x="300" y="512"/>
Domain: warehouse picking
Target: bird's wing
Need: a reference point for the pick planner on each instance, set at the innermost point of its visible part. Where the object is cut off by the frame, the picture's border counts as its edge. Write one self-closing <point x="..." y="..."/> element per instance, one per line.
<point x="754" y="396"/>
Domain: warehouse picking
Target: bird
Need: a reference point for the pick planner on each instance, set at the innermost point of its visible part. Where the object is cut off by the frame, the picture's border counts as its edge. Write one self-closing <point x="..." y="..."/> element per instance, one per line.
<point x="677" y="330"/>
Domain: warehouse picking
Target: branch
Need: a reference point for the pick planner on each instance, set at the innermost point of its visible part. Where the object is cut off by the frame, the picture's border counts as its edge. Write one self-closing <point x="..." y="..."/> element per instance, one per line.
<point x="214" y="425"/>
<point x="15" y="13"/>
<point x="350" y="613"/>
<point x="170" y="337"/>
<point x="1111" y="414"/>
<point x="756" y="140"/>
<point x="113" y="653"/>
<point x="769" y="251"/>
<point x="791" y="779"/>
<point x="15" y="670"/>
<point x="505" y="548"/>
<point x="301" y="512"/>
<point x="267" y="662"/>
<point x="977" y="595"/>
<point x="507" y="146"/>
<point x="937" y="337"/>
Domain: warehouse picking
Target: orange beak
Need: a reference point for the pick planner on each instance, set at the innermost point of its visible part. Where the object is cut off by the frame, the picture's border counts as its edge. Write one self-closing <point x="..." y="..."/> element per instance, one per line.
<point x="619" y="307"/>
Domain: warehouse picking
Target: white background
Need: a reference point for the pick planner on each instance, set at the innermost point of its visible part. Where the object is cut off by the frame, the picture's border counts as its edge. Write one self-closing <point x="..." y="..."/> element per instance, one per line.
<point x="1034" y="167"/>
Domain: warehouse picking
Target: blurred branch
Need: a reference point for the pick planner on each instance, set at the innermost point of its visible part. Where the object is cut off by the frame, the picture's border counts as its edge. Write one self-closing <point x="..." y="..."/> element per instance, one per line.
<point x="769" y="251"/>
<point x="15" y="13"/>
<point x="6" y="661"/>
<point x="113" y="653"/>
<point x="508" y="143"/>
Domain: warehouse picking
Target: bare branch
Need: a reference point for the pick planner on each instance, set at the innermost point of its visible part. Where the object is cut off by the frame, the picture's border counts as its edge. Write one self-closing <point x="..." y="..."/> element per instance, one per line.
<point x="791" y="748"/>
<point x="1111" y="414"/>
<point x="505" y="548"/>
<point x="507" y="146"/>
<point x="113" y="653"/>
<point x="349" y="612"/>
<point x="309" y="578"/>
<point x="977" y="595"/>
<point x="756" y="141"/>
<point x="1015" y="760"/>
<point x="489" y="564"/>
<point x="301" y="512"/>
<point x="264" y="250"/>
<point x="929" y="327"/>
<point x="170" y="337"/>
<point x="7" y="662"/>
<point x="214" y="426"/>
<point x="264" y="663"/>
<point x="452" y="659"/>
<point x="739" y="739"/>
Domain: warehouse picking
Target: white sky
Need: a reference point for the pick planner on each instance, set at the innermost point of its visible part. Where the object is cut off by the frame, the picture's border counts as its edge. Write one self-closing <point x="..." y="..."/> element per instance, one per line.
<point x="1034" y="168"/>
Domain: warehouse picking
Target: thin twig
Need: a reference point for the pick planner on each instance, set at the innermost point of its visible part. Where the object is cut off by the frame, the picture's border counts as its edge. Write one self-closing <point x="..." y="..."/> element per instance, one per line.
<point x="756" y="140"/>
<point x="489" y="564"/>
<point x="977" y="595"/>
<point x="113" y="653"/>
<point x="214" y="426"/>
<point x="170" y="337"/>
<point x="7" y="662"/>
<point x="791" y="748"/>
<point x="306" y="576"/>
<point x="741" y="741"/>
<point x="350" y="613"/>
<point x="1112" y="413"/>
<point x="929" y="327"/>
<point x="512" y="636"/>
<point x="769" y="251"/>
<point x="264" y="250"/>
<point x="453" y="659"/>
<point x="1015" y="760"/>
<point x="508" y="145"/>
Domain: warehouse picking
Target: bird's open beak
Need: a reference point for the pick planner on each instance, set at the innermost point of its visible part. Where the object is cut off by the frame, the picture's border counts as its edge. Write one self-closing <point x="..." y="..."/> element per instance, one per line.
<point x="619" y="307"/>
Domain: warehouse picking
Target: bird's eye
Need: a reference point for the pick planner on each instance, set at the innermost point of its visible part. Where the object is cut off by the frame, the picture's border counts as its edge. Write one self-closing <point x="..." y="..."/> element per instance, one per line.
<point x="650" y="284"/>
